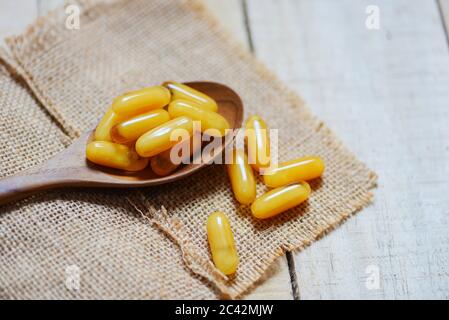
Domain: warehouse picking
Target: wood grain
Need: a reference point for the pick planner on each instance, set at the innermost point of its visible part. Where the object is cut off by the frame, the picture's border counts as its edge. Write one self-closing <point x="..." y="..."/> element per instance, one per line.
<point x="385" y="93"/>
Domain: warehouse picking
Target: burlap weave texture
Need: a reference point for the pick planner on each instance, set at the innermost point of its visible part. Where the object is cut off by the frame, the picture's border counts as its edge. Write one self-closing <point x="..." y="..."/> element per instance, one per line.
<point x="117" y="252"/>
<point x="124" y="45"/>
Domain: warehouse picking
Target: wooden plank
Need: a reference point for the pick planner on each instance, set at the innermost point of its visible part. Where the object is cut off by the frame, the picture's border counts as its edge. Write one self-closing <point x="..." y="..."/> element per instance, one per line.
<point x="15" y="16"/>
<point x="385" y="94"/>
<point x="276" y="284"/>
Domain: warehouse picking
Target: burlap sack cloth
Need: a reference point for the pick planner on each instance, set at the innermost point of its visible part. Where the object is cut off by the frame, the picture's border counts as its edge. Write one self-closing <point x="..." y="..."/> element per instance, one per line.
<point x="147" y="243"/>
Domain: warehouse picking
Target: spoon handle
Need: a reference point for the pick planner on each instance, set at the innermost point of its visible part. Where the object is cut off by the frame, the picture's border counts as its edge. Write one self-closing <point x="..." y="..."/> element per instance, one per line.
<point x="20" y="186"/>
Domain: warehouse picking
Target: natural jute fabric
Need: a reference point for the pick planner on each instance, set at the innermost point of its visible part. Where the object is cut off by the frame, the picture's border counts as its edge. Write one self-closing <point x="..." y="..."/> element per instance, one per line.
<point x="117" y="251"/>
<point x="125" y="242"/>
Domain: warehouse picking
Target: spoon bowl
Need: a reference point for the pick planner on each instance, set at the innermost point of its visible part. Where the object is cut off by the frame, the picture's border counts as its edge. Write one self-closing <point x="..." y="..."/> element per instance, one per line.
<point x="69" y="168"/>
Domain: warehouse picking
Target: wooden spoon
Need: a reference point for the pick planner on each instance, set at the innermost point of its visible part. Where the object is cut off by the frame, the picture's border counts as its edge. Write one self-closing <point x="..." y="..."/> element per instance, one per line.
<point x="70" y="168"/>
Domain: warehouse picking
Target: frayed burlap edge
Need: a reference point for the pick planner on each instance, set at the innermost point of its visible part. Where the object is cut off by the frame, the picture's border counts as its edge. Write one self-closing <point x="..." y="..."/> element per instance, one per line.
<point x="15" y="71"/>
<point x="173" y="229"/>
<point x="31" y="35"/>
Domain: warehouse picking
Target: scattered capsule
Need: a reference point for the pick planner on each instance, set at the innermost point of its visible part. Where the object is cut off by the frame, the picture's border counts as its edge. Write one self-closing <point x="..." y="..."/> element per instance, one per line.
<point x="209" y="119"/>
<point x="132" y="129"/>
<point x="258" y="143"/>
<point x="302" y="169"/>
<point x="180" y="91"/>
<point x="115" y="155"/>
<point x="279" y="200"/>
<point x="136" y="102"/>
<point x="242" y="178"/>
<point x="163" y="164"/>
<point x="110" y="119"/>
<point x="161" y="138"/>
<point x="221" y="243"/>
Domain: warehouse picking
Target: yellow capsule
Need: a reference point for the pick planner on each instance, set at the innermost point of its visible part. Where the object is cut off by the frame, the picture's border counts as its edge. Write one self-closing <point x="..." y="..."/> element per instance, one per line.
<point x="258" y="143"/>
<point x="279" y="200"/>
<point x="163" y="165"/>
<point x="221" y="243"/>
<point x="161" y="138"/>
<point x="114" y="155"/>
<point x="136" y="102"/>
<point x="242" y="178"/>
<point x="110" y="119"/>
<point x="132" y="129"/>
<point x="180" y="91"/>
<point x="208" y="119"/>
<point x="302" y="169"/>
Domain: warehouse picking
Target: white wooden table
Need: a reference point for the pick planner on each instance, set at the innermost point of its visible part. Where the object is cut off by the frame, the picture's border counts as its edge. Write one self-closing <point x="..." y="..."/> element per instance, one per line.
<point x="386" y="94"/>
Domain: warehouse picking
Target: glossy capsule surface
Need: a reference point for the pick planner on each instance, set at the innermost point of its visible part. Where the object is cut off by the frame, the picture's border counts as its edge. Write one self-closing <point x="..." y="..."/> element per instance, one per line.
<point x="160" y="138"/>
<point x="180" y="91"/>
<point x="115" y="155"/>
<point x="258" y="142"/>
<point x="103" y="130"/>
<point x="209" y="119"/>
<point x="242" y="178"/>
<point x="163" y="165"/>
<point x="302" y="169"/>
<point x="132" y="129"/>
<point x="136" y="102"/>
<point x="221" y="243"/>
<point x="280" y="200"/>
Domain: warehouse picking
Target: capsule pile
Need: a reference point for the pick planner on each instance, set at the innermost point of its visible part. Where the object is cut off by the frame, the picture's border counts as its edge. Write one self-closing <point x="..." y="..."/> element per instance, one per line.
<point x="288" y="180"/>
<point x="136" y="130"/>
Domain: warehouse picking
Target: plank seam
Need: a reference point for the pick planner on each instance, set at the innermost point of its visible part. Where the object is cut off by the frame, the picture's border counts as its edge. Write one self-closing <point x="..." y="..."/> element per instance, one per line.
<point x="293" y="276"/>
<point x="443" y="21"/>
<point x="247" y="25"/>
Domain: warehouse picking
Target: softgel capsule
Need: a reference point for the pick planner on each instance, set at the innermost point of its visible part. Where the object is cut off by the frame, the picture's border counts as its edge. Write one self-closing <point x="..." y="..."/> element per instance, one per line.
<point x="242" y="178"/>
<point x="280" y="200"/>
<point x="221" y="243"/>
<point x="301" y="169"/>
<point x="140" y="101"/>
<point x="115" y="155"/>
<point x="211" y="122"/>
<point x="181" y="91"/>
<point x="132" y="129"/>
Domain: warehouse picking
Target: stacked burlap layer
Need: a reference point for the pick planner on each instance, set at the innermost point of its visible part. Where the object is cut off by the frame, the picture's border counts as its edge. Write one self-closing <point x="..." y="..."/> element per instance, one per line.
<point x="116" y="239"/>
